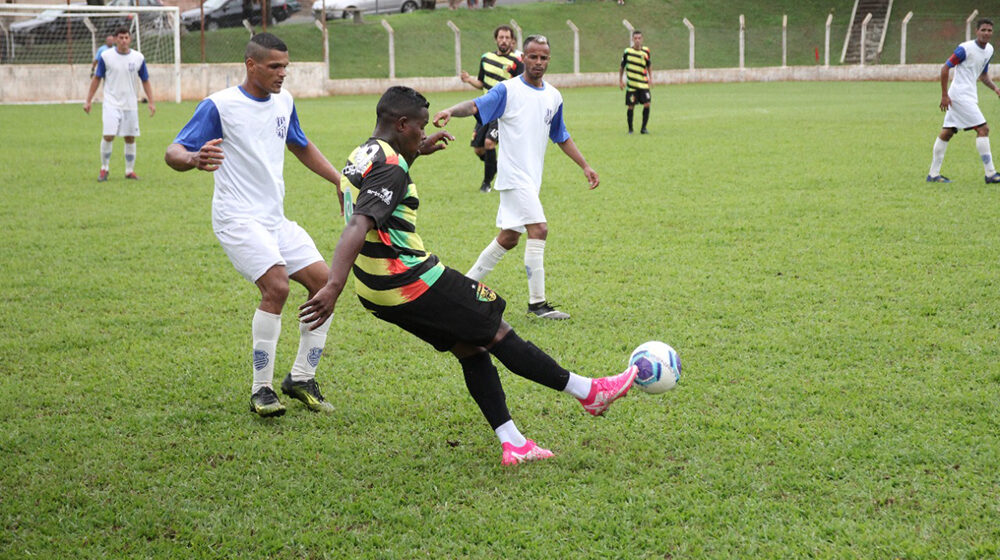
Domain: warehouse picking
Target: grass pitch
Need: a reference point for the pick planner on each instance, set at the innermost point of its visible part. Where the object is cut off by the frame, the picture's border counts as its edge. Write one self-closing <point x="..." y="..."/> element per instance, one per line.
<point x="834" y="312"/>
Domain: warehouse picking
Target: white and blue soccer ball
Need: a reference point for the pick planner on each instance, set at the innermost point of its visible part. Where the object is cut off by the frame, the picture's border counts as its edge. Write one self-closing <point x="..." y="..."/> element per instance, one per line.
<point x="659" y="367"/>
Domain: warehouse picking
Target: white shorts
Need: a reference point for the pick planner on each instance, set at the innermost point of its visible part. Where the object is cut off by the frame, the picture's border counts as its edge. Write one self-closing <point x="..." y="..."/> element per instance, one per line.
<point x="254" y="249"/>
<point x="120" y="123"/>
<point x="963" y="115"/>
<point x="519" y="207"/>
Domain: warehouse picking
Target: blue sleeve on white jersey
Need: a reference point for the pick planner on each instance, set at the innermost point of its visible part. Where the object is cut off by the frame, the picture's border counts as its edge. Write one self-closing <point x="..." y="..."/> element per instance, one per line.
<point x="295" y="134"/>
<point x="205" y="125"/>
<point x="143" y="73"/>
<point x="986" y="68"/>
<point x="957" y="57"/>
<point x="100" y="71"/>
<point x="557" y="128"/>
<point x="492" y="104"/>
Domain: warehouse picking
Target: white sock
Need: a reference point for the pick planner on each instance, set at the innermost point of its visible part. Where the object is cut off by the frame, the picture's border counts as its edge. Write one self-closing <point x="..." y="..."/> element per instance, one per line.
<point x="534" y="259"/>
<point x="266" y="330"/>
<point x="106" y="154"/>
<point x="311" y="345"/>
<point x="940" y="146"/>
<point x="983" y="146"/>
<point x="578" y="386"/>
<point x="129" y="157"/>
<point x="508" y="433"/>
<point x="488" y="259"/>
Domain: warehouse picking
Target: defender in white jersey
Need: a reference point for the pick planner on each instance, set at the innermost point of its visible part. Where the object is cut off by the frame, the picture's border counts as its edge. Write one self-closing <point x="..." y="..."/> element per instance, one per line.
<point x="529" y="111"/>
<point x="119" y="67"/>
<point x="971" y="61"/>
<point x="240" y="135"/>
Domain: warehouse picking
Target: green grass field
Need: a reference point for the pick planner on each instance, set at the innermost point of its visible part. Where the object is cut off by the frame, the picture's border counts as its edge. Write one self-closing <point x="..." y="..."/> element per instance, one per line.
<point x="836" y="316"/>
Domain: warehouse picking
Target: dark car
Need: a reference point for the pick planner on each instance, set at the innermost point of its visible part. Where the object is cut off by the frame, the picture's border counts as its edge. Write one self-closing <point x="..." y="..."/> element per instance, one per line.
<point x="231" y="13"/>
<point x="51" y="26"/>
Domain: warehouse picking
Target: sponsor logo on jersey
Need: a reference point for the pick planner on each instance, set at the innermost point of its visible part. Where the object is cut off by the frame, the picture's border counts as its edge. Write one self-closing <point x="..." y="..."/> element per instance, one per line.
<point x="281" y="127"/>
<point x="549" y="113"/>
<point x="363" y="157"/>
<point x="383" y="194"/>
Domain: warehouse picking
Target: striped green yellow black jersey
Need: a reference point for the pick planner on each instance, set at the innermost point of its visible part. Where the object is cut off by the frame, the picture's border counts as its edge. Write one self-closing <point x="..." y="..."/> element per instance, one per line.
<point x="495" y="68"/>
<point x="636" y="64"/>
<point x="393" y="267"/>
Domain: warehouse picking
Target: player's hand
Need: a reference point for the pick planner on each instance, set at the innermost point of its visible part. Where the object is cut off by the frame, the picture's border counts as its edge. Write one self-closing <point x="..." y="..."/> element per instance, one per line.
<point x="152" y="108"/>
<point x="945" y="102"/>
<point x="319" y="308"/>
<point x="437" y="141"/>
<point x="442" y="118"/>
<point x="592" y="177"/>
<point x="210" y="156"/>
<point x="86" y="107"/>
<point x="621" y="85"/>
<point x="465" y="76"/>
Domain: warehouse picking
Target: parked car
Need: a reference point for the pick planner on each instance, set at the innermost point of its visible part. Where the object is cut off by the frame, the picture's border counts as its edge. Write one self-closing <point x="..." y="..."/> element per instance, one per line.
<point x="231" y="13"/>
<point x="50" y="26"/>
<point x="336" y="9"/>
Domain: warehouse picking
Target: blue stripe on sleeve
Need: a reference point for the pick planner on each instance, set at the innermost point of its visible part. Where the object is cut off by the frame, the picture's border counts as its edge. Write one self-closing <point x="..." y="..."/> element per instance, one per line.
<point x="295" y="134"/>
<point x="957" y="57"/>
<point x="492" y="104"/>
<point x="101" y="70"/>
<point x="143" y="73"/>
<point x="557" y="128"/>
<point x="205" y="125"/>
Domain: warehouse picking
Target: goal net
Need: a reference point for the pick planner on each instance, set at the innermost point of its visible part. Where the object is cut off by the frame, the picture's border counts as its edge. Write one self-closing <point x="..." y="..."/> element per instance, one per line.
<point x="72" y="33"/>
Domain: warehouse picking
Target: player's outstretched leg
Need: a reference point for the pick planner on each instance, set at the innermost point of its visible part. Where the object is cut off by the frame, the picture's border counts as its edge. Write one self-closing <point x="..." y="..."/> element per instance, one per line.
<point x="986" y="155"/>
<point x="300" y="383"/>
<point x="606" y="390"/>
<point x="937" y="158"/>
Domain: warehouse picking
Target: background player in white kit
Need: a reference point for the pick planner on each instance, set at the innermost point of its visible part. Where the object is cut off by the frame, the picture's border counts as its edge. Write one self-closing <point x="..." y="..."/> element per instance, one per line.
<point x="971" y="61"/>
<point x="529" y="112"/>
<point x="240" y="135"/>
<point x="120" y="112"/>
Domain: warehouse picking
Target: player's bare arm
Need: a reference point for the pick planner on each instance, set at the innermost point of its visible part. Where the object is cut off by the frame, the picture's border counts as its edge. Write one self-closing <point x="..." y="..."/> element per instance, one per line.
<point x="315" y="161"/>
<point x="320" y="307"/>
<point x="208" y="158"/>
<point x="467" y="78"/>
<point x="463" y="109"/>
<point x="985" y="78"/>
<point x="945" y="99"/>
<point x="437" y="141"/>
<point x="95" y="82"/>
<point x="149" y="97"/>
<point x="621" y="80"/>
<point x="570" y="149"/>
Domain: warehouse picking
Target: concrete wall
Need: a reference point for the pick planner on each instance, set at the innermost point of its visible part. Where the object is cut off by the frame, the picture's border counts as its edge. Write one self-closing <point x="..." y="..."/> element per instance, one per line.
<point x="62" y="83"/>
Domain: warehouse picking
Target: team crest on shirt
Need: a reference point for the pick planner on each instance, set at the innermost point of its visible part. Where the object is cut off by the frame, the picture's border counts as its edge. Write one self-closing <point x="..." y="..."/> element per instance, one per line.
<point x="363" y="157"/>
<point x="281" y="127"/>
<point x="483" y="293"/>
<point x="549" y="113"/>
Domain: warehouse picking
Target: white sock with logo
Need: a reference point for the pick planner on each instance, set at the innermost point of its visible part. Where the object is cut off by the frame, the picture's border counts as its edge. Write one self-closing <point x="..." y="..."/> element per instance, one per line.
<point x="940" y="146"/>
<point x="488" y="259"/>
<point x="265" y="331"/>
<point x="508" y="433"/>
<point x="311" y="344"/>
<point x="534" y="259"/>
<point x="106" y="148"/>
<point x="983" y="146"/>
<point x="130" y="157"/>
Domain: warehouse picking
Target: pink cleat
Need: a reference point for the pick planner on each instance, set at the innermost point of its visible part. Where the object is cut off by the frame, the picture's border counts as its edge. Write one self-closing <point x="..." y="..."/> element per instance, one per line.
<point x="527" y="452"/>
<point x="606" y="390"/>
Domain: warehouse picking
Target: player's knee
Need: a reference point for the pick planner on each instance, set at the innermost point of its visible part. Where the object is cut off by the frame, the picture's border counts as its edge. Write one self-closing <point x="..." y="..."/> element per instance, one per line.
<point x="508" y="239"/>
<point x="983" y="130"/>
<point x="480" y="151"/>
<point x="109" y="138"/>
<point x="538" y="231"/>
<point x="274" y="289"/>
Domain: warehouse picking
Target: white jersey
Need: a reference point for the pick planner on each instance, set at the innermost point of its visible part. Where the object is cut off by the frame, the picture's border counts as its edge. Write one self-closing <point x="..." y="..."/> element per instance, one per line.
<point x="249" y="184"/>
<point x="528" y="117"/>
<point x="969" y="61"/>
<point x="119" y="72"/>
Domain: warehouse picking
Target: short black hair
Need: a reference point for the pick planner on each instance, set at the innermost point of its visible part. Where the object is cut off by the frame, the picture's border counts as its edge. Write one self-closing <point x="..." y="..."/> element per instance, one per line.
<point x="261" y="43"/>
<point x="400" y="101"/>
<point x="122" y="29"/>
<point x="496" y="32"/>
<point x="636" y="32"/>
<point x="540" y="39"/>
<point x="983" y="21"/>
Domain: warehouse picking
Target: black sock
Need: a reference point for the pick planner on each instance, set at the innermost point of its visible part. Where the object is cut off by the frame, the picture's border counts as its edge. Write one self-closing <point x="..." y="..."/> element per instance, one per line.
<point x="527" y="360"/>
<point x="629" y="113"/>
<point x="483" y="382"/>
<point x="645" y="116"/>
<point x="490" y="169"/>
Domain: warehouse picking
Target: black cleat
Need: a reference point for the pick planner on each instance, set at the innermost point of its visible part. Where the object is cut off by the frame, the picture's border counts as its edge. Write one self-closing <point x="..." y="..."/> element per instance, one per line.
<point x="545" y="310"/>
<point x="307" y="392"/>
<point x="265" y="403"/>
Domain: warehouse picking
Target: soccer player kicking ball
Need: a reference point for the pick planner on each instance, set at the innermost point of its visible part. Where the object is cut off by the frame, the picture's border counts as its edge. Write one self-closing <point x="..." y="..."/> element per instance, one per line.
<point x="240" y="134"/>
<point x="119" y="68"/>
<point x="400" y="282"/>
<point x="529" y="112"/>
<point x="971" y="61"/>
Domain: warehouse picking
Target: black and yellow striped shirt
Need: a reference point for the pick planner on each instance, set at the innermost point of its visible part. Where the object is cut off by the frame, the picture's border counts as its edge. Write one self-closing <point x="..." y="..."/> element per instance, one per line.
<point x="495" y="68"/>
<point x="636" y="65"/>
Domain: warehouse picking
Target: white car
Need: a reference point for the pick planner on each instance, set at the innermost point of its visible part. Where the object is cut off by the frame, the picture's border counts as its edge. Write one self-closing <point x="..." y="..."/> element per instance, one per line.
<point x="336" y="9"/>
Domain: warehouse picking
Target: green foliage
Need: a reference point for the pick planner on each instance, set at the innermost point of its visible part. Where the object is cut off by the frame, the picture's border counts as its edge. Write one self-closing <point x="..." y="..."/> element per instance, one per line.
<point x="834" y="313"/>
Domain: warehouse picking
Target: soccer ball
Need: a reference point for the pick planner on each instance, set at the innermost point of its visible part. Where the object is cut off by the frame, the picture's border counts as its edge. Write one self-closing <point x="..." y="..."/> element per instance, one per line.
<point x="659" y="367"/>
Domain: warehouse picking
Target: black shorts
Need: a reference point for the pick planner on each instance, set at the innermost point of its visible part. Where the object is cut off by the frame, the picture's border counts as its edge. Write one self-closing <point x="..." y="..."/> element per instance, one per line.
<point x="637" y="97"/>
<point x="455" y="309"/>
<point x="489" y="130"/>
